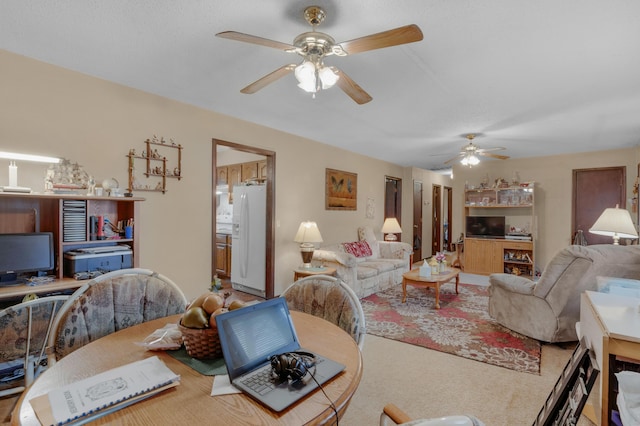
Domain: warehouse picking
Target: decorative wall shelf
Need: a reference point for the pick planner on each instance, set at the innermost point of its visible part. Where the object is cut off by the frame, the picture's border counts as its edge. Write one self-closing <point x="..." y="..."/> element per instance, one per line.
<point x="156" y="165"/>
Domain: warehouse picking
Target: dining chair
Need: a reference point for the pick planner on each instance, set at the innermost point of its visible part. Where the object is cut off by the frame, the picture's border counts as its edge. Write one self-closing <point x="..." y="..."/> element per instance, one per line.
<point x="391" y="413"/>
<point x="24" y="330"/>
<point x="329" y="298"/>
<point x="112" y="302"/>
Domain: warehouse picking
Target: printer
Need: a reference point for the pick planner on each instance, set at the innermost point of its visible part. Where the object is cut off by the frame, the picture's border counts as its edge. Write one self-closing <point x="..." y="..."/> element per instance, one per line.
<point x="102" y="259"/>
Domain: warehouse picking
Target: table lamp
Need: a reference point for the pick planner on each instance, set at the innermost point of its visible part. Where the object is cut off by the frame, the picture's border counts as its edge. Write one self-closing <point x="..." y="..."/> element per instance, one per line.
<point x="390" y="228"/>
<point x="616" y="223"/>
<point x="308" y="234"/>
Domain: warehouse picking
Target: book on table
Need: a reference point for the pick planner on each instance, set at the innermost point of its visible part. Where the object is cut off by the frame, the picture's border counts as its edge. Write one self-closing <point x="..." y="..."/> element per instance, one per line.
<point x="104" y="393"/>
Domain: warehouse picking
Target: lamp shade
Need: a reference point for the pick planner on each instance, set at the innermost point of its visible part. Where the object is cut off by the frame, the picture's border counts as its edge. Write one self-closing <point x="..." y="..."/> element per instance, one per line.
<point x="616" y="223"/>
<point x="308" y="232"/>
<point x="391" y="226"/>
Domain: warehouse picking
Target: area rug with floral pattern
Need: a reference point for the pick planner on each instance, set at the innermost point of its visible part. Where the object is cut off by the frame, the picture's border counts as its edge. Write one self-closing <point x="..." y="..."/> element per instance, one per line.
<point x="461" y="326"/>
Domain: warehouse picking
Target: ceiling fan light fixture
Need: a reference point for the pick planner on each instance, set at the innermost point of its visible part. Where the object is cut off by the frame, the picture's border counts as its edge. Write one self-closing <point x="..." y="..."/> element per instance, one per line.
<point x="309" y="74"/>
<point x="327" y="77"/>
<point x="306" y="75"/>
<point x="470" y="160"/>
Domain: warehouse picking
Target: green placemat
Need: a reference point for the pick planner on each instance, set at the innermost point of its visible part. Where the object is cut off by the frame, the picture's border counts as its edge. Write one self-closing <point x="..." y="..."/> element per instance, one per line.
<point x="207" y="367"/>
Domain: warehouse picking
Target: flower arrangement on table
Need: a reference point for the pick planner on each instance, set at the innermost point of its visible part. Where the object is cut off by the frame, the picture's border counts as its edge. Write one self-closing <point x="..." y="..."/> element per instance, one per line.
<point x="442" y="260"/>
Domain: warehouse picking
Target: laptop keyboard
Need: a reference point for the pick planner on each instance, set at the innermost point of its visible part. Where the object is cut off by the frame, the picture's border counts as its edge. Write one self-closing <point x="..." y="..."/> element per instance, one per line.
<point x="260" y="381"/>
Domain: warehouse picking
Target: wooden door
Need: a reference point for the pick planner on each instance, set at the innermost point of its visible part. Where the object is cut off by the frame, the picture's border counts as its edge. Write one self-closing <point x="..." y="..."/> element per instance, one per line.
<point x="448" y="217"/>
<point x="436" y="221"/>
<point x="593" y="191"/>
<point x="393" y="199"/>
<point x="417" y="220"/>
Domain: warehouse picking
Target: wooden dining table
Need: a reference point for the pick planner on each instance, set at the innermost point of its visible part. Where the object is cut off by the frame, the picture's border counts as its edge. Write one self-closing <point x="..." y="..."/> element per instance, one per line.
<point x="191" y="402"/>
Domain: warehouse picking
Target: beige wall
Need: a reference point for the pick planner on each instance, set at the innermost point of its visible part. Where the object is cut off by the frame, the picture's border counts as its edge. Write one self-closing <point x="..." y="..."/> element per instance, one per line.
<point x="553" y="177"/>
<point x="48" y="110"/>
<point x="52" y="111"/>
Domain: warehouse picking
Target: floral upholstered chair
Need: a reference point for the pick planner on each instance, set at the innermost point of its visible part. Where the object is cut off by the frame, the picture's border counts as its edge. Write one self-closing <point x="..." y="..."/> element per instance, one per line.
<point x="24" y="330"/>
<point x="112" y="302"/>
<point x="329" y="298"/>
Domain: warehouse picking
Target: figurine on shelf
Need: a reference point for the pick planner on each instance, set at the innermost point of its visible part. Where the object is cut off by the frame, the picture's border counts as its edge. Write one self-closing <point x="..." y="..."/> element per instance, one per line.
<point x="48" y="181"/>
<point x="159" y="187"/>
<point x="176" y="171"/>
<point x="91" y="186"/>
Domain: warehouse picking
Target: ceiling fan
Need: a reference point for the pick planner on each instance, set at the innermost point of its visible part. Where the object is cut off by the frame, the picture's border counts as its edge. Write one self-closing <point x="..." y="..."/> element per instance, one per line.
<point x="314" y="46"/>
<point x="469" y="154"/>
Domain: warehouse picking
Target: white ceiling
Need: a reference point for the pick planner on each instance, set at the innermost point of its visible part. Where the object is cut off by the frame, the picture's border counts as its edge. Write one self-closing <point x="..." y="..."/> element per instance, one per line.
<point x="538" y="77"/>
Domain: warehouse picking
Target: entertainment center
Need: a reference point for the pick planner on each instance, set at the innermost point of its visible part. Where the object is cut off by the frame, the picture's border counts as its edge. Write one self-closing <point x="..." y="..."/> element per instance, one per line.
<point x="69" y="220"/>
<point x="500" y="230"/>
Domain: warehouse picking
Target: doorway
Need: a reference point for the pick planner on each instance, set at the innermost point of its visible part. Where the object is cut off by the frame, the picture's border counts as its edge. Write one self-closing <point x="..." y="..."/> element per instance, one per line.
<point x="436" y="222"/>
<point x="270" y="214"/>
<point x="593" y="191"/>
<point x="417" y="220"/>
<point x="393" y="199"/>
<point x="447" y="214"/>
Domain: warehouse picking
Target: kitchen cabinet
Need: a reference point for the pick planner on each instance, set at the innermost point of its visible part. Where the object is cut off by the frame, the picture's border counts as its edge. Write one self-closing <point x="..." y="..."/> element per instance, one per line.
<point x="223" y="255"/>
<point x="222" y="177"/>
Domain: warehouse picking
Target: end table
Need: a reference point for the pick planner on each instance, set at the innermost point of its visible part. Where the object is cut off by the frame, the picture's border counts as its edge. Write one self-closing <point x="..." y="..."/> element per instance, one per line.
<point x="316" y="270"/>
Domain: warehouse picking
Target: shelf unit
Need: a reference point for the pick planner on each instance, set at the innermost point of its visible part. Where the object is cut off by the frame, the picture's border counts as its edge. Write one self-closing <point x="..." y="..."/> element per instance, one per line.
<point x="514" y="256"/>
<point x="156" y="165"/>
<point x="46" y="212"/>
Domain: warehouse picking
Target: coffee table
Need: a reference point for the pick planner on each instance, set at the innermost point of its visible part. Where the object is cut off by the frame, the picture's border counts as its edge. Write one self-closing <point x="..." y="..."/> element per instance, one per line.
<point x="434" y="281"/>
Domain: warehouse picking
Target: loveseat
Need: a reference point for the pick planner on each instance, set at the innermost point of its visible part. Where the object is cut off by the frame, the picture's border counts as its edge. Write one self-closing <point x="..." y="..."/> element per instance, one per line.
<point x="367" y="265"/>
<point x="548" y="309"/>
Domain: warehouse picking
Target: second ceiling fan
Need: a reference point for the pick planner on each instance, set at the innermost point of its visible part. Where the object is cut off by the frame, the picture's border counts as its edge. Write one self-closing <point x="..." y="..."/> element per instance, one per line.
<point x="312" y="74"/>
<point x="469" y="153"/>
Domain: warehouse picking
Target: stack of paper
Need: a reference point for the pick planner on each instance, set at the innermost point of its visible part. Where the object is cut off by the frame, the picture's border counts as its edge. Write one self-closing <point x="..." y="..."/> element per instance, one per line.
<point x="104" y="393"/>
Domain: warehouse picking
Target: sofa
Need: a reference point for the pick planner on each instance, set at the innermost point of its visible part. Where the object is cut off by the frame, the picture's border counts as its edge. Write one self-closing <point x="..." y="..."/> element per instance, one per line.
<point x="367" y="265"/>
<point x="548" y="309"/>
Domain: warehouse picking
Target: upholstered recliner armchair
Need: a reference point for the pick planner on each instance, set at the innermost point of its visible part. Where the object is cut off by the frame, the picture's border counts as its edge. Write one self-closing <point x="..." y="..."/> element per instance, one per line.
<point x="548" y="309"/>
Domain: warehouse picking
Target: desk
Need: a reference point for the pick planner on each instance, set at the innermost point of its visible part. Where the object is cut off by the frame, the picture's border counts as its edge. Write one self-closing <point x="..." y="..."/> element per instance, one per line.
<point x="610" y="325"/>
<point x="190" y="403"/>
<point x="56" y="286"/>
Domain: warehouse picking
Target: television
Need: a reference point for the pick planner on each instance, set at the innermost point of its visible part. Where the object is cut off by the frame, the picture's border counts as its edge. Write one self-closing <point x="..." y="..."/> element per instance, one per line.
<point x="485" y="227"/>
<point x="25" y="253"/>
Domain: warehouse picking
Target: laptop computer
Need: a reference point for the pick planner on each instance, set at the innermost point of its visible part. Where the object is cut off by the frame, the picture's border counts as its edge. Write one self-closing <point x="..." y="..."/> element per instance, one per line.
<point x="250" y="336"/>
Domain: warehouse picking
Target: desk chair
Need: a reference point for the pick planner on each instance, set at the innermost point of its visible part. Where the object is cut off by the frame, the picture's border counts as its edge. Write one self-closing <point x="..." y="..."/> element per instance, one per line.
<point x="391" y="413"/>
<point x="329" y="298"/>
<point x="24" y="330"/>
<point x="112" y="302"/>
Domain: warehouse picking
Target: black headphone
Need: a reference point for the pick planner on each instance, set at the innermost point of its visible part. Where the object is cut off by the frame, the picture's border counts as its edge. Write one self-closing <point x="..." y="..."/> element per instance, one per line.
<point x="292" y="366"/>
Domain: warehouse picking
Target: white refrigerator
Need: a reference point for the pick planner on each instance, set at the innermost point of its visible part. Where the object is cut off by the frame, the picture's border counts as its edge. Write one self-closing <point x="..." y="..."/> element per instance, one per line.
<point x="248" y="239"/>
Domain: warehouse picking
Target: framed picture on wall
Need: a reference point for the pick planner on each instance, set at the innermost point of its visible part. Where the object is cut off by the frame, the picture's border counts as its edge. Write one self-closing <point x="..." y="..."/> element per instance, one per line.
<point x="341" y="190"/>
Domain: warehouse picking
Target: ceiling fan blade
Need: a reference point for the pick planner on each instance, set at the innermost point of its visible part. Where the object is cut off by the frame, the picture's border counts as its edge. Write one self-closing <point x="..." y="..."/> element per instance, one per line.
<point x="247" y="38"/>
<point x="500" y="157"/>
<point x="453" y="159"/>
<point x="491" y="149"/>
<point x="401" y="35"/>
<point x="268" y="79"/>
<point x="351" y="88"/>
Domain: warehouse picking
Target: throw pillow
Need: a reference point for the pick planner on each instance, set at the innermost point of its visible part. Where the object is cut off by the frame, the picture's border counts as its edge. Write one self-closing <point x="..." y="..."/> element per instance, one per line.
<point x="358" y="248"/>
<point x="365" y="233"/>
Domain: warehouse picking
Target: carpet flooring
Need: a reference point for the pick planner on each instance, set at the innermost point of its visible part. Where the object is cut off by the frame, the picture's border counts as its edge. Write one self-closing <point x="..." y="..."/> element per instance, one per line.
<point x="461" y="326"/>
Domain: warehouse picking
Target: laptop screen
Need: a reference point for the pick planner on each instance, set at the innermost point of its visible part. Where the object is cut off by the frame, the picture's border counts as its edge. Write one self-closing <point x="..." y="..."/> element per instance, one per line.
<point x="250" y="335"/>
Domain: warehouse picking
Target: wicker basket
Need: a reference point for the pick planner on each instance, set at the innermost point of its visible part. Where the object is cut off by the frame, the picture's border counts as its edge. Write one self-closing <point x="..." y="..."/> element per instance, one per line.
<point x="201" y="343"/>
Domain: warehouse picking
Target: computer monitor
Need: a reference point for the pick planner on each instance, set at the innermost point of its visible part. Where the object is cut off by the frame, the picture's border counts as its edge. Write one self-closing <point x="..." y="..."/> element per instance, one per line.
<point x="25" y="253"/>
